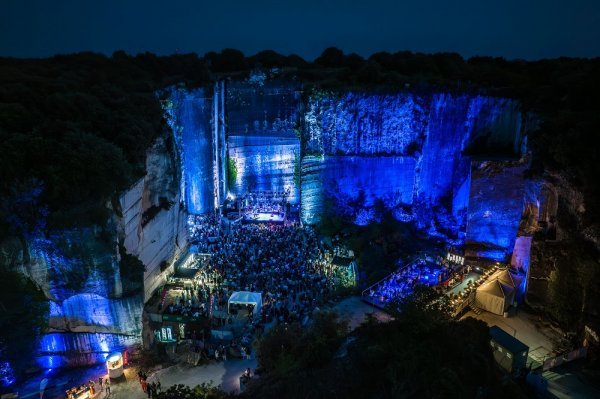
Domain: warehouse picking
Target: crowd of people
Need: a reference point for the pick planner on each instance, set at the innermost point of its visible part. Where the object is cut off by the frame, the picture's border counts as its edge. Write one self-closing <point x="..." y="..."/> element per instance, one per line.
<point x="287" y="263"/>
<point x="203" y="229"/>
<point x="152" y="389"/>
<point x="284" y="262"/>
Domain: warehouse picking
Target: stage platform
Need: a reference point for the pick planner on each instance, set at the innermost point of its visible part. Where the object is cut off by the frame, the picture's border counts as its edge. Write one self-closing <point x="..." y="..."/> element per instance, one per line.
<point x="277" y="218"/>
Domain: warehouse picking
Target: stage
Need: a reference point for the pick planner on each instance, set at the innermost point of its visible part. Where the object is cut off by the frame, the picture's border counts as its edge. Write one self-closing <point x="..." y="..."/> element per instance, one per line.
<point x="262" y="217"/>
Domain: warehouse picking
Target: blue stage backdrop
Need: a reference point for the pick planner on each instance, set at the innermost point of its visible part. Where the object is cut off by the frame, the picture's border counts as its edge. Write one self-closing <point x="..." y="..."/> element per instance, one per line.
<point x="263" y="140"/>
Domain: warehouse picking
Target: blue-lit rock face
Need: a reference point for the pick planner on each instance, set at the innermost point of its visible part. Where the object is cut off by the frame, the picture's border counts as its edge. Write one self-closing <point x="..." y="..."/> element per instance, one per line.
<point x="73" y="261"/>
<point x="77" y="349"/>
<point x="495" y="208"/>
<point x="265" y="108"/>
<point x="361" y="124"/>
<point x="438" y="132"/>
<point x="110" y="315"/>
<point x="95" y="306"/>
<point x="189" y="113"/>
<point x="79" y="272"/>
<point x="356" y="184"/>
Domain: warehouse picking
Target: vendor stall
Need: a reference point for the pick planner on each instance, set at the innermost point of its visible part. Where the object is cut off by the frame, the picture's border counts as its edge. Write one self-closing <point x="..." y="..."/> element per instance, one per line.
<point x="246" y="298"/>
<point x="114" y="364"/>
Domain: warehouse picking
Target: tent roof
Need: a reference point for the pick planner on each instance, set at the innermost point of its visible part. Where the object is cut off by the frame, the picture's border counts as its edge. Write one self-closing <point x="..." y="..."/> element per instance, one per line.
<point x="506" y="277"/>
<point x="246" y="297"/>
<point x="496" y="288"/>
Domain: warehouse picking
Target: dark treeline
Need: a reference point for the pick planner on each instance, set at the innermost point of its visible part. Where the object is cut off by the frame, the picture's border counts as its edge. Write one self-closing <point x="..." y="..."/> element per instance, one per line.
<point x="74" y="128"/>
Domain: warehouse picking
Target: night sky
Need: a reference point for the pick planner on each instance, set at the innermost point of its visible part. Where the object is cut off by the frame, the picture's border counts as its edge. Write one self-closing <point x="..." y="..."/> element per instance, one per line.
<point x="529" y="29"/>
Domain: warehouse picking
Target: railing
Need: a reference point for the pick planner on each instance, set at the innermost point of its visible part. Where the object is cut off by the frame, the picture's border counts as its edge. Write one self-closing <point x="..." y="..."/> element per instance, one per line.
<point x="564" y="358"/>
<point x="464" y="304"/>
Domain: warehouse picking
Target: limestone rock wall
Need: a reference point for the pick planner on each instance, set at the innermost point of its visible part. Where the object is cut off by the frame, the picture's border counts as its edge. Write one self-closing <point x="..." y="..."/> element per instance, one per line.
<point x="94" y="308"/>
<point x="153" y="223"/>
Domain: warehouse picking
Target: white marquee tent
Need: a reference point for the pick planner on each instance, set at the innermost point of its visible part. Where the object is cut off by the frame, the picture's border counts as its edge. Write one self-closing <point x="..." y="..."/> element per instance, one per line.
<point x="246" y="297"/>
<point x="494" y="296"/>
<point x="507" y="278"/>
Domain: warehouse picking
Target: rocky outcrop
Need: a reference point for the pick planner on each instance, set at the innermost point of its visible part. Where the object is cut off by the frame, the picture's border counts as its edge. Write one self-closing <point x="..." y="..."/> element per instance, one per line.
<point x="435" y="135"/>
<point x="96" y="306"/>
<point x="153" y="222"/>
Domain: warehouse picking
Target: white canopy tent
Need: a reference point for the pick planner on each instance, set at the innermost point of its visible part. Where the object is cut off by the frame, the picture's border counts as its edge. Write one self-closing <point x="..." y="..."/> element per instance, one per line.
<point x="508" y="278"/>
<point x="494" y="296"/>
<point x="246" y="297"/>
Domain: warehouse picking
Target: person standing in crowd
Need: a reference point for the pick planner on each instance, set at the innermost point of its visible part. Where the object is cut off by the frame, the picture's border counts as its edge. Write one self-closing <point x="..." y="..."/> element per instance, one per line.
<point x="107" y="385"/>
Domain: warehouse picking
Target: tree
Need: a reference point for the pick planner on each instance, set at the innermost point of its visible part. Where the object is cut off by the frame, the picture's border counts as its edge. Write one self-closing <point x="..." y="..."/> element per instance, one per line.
<point x="202" y="391"/>
<point x="229" y="60"/>
<point x="23" y="317"/>
<point x="420" y="353"/>
<point x="331" y="58"/>
<point x="22" y="213"/>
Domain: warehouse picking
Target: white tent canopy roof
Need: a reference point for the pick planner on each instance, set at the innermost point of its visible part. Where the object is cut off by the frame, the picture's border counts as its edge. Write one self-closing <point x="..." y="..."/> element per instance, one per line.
<point x="507" y="278"/>
<point x="246" y="297"/>
<point x="494" y="296"/>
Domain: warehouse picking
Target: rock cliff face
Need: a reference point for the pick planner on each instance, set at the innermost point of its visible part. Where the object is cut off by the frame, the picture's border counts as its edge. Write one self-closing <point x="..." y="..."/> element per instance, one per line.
<point x="410" y="152"/>
<point x="189" y="113"/>
<point x="496" y="205"/>
<point x="153" y="223"/>
<point x="359" y="151"/>
<point x="96" y="305"/>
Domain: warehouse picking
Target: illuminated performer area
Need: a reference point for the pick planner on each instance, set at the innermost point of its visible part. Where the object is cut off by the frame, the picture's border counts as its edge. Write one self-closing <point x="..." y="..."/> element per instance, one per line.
<point x="263" y="145"/>
<point x="261" y="207"/>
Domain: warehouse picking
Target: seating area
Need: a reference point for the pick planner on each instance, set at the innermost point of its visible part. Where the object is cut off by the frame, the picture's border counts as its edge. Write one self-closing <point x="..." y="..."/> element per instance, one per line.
<point x="400" y="283"/>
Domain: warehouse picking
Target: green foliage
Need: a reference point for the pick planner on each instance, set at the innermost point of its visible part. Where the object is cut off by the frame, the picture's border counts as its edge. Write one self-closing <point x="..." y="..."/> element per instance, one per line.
<point x="81" y="124"/>
<point x="288" y="347"/>
<point x="131" y="267"/>
<point x="231" y="172"/>
<point x="23" y="317"/>
<point x="379" y="244"/>
<point x="420" y="353"/>
<point x="424" y="302"/>
<point x="202" y="391"/>
<point x="572" y="289"/>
